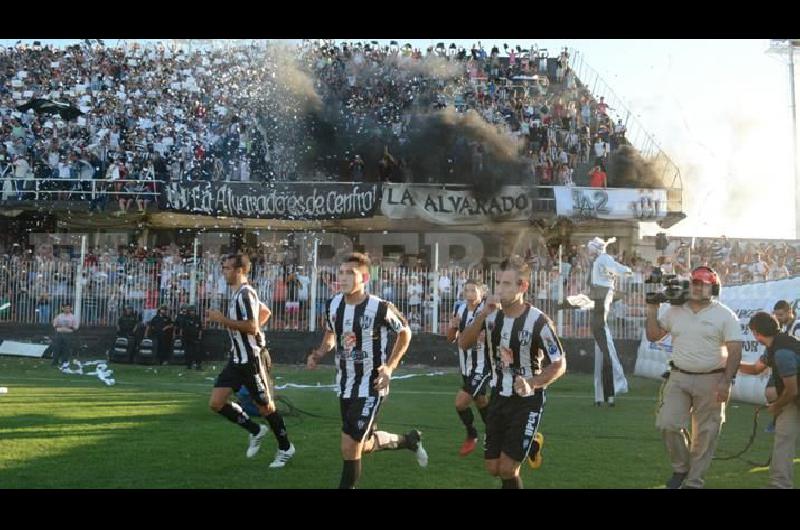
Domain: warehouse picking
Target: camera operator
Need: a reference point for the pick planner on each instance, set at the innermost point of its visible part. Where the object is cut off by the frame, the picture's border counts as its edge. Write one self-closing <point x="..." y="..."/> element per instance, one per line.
<point x="706" y="350"/>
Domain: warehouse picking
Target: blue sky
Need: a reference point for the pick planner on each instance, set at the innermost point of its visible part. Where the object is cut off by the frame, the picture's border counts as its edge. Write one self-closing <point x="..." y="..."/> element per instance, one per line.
<point x="718" y="108"/>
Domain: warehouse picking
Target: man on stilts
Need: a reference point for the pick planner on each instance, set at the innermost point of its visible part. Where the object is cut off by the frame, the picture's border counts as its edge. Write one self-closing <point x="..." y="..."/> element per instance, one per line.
<point x="609" y="378"/>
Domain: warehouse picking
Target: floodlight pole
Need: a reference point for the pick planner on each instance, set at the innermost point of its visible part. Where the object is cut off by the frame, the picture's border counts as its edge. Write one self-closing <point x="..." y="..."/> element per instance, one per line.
<point x="794" y="144"/>
<point x="781" y="47"/>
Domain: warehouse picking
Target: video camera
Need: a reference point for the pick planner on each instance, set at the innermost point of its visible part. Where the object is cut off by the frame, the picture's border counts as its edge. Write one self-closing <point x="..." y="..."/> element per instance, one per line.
<point x="675" y="291"/>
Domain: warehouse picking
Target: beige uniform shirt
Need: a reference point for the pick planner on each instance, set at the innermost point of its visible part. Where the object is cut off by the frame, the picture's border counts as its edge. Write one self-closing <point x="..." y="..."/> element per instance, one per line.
<point x="698" y="339"/>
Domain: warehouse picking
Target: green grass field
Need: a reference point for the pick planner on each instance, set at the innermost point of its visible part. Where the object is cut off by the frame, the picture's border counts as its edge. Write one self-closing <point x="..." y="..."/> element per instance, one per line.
<point x="153" y="429"/>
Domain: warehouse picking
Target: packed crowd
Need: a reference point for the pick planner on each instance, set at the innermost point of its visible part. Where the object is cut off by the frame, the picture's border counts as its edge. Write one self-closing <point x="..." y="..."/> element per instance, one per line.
<point x="158" y="113"/>
<point x="535" y="103"/>
<point x="736" y="260"/>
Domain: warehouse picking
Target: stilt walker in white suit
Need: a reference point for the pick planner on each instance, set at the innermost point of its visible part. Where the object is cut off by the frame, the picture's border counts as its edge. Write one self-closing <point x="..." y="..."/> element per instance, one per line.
<point x="609" y="379"/>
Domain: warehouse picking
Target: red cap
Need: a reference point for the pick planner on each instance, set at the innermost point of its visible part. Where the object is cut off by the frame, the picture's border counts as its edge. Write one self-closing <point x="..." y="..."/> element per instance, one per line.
<point x="702" y="274"/>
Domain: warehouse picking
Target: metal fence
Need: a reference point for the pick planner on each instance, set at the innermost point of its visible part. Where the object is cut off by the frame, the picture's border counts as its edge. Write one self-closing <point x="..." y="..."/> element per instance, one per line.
<point x="33" y="291"/>
<point x="51" y="189"/>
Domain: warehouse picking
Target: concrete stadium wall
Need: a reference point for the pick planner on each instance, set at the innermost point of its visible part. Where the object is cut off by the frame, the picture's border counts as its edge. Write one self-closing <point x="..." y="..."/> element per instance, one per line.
<point x="291" y="347"/>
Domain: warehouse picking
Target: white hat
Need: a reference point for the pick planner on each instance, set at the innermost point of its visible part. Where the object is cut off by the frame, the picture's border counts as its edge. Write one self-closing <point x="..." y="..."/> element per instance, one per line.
<point x="598" y="245"/>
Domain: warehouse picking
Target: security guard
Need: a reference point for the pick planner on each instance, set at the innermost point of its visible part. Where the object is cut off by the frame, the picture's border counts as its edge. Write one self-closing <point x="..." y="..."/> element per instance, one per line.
<point x="160" y="327"/>
<point x="126" y="327"/>
<point x="190" y="329"/>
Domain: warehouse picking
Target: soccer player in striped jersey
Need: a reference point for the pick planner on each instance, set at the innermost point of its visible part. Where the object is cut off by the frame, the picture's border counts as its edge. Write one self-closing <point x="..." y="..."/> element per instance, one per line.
<point x="249" y="362"/>
<point x="475" y="364"/>
<point x="527" y="357"/>
<point x="357" y="325"/>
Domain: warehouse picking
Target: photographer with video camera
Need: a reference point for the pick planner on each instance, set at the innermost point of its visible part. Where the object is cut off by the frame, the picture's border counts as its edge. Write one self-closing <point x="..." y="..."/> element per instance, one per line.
<point x="706" y="350"/>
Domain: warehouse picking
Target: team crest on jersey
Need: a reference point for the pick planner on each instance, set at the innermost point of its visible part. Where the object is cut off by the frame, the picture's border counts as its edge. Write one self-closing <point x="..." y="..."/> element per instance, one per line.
<point x="367" y="321"/>
<point x="524" y="337"/>
<point x="361" y="424"/>
<point x="552" y="347"/>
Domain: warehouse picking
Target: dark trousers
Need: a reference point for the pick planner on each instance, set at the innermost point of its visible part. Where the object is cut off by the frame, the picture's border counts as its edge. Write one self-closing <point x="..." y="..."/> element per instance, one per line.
<point x="62" y="347"/>
<point x="161" y="347"/>
<point x="191" y="350"/>
<point x="603" y="297"/>
<point x="131" y="347"/>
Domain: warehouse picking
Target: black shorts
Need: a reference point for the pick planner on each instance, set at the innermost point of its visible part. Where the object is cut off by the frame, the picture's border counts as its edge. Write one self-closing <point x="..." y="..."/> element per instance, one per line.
<point x="511" y="423"/>
<point x="359" y="416"/>
<point x="476" y="383"/>
<point x="254" y="376"/>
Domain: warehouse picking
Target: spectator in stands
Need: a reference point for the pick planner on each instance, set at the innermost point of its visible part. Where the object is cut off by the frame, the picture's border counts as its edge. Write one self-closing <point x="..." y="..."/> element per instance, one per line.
<point x="779" y="271"/>
<point x="759" y="268"/>
<point x="601" y="150"/>
<point x="43" y="308"/>
<point x="136" y="116"/>
<point x="387" y="288"/>
<point x="598" y="177"/>
<point x="414" y="294"/>
<point x="602" y="108"/>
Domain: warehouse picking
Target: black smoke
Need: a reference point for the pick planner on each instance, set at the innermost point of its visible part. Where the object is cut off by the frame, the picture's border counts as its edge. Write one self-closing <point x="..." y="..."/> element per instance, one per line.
<point x="627" y="169"/>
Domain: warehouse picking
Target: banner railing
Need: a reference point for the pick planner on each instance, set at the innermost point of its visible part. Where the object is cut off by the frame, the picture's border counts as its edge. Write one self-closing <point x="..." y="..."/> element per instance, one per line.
<point x="38" y="189"/>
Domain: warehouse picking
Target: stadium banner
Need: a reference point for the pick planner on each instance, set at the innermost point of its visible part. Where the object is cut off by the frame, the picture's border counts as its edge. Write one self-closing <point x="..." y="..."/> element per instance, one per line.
<point x="286" y="200"/>
<point x="611" y="203"/>
<point x="745" y="301"/>
<point x="443" y="206"/>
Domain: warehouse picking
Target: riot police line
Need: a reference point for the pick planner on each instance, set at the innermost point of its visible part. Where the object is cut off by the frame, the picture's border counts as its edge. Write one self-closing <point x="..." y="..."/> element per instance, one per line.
<point x="161" y="340"/>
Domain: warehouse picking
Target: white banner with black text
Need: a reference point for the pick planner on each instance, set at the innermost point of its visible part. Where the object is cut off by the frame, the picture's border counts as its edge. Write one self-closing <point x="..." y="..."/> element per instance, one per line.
<point x="611" y="203"/>
<point x="449" y="206"/>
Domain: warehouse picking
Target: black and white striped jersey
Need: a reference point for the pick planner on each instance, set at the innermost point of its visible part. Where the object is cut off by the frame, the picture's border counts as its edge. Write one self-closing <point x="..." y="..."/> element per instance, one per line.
<point x="244" y="306"/>
<point x="474" y="360"/>
<point x="362" y="340"/>
<point x="792" y="329"/>
<point x="532" y="340"/>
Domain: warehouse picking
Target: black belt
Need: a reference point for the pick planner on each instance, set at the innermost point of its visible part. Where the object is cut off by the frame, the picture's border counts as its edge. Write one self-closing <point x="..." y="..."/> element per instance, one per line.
<point x="717" y="371"/>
